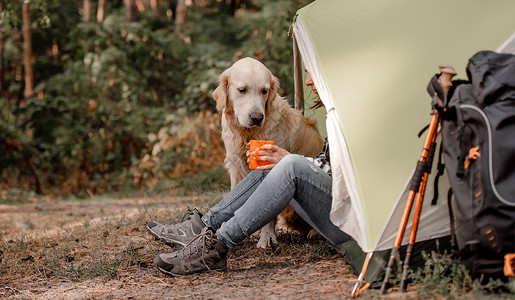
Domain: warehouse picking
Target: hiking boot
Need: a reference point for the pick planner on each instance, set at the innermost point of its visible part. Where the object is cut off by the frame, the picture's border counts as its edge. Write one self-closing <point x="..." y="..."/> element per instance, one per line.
<point x="180" y="234"/>
<point x="205" y="253"/>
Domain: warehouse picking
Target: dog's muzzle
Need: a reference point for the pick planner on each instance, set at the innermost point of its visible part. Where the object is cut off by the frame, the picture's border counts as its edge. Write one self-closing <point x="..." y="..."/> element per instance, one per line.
<point x="256" y="118"/>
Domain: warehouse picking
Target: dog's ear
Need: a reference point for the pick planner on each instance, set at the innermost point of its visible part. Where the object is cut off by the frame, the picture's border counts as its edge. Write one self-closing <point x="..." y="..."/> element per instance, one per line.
<point x="220" y="94"/>
<point x="274" y="85"/>
<point x="274" y="88"/>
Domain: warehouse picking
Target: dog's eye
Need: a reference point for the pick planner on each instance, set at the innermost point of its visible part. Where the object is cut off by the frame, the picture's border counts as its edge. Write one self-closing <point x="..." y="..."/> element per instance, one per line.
<point x="264" y="91"/>
<point x="242" y="90"/>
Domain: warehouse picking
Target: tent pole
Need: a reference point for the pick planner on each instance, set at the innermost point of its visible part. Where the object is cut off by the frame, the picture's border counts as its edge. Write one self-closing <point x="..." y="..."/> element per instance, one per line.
<point x="361" y="279"/>
<point x="297" y="78"/>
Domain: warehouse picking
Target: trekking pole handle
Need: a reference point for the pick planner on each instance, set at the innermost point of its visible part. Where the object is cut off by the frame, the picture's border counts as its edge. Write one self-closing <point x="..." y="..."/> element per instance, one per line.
<point x="445" y="78"/>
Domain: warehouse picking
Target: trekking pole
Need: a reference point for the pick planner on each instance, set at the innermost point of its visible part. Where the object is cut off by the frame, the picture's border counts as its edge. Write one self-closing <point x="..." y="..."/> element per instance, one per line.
<point x="445" y="81"/>
<point x="415" y="186"/>
<point x="418" y="206"/>
<point x="419" y="177"/>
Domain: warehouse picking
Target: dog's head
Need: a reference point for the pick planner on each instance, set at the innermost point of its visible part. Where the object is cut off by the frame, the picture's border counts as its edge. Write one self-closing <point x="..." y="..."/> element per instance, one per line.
<point x="246" y="89"/>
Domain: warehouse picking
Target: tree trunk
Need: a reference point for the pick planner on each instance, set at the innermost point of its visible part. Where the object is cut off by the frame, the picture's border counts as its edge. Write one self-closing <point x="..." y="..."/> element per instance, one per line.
<point x="2" y="64"/>
<point x="131" y="10"/>
<point x="27" y="52"/>
<point x="139" y="5"/>
<point x="153" y="6"/>
<point x="101" y="11"/>
<point x="87" y="11"/>
<point x="235" y="5"/>
<point x="180" y="17"/>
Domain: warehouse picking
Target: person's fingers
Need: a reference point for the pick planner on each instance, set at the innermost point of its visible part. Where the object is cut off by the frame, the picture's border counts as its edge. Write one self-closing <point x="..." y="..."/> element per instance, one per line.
<point x="265" y="153"/>
<point x="269" y="147"/>
<point x="272" y="157"/>
<point x="270" y="153"/>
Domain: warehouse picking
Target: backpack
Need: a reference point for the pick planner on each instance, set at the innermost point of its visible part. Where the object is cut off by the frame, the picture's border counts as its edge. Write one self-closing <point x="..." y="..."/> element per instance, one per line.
<point x="478" y="141"/>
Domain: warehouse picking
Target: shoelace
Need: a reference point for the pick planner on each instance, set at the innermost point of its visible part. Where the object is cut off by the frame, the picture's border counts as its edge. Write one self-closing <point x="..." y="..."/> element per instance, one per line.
<point x="202" y="242"/>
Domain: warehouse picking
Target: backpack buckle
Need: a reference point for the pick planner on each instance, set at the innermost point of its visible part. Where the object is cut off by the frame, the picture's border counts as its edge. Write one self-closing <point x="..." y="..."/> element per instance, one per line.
<point x="509" y="265"/>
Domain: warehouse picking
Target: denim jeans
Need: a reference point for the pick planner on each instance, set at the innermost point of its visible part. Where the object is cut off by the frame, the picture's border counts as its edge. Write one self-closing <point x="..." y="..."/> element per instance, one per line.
<point x="262" y="195"/>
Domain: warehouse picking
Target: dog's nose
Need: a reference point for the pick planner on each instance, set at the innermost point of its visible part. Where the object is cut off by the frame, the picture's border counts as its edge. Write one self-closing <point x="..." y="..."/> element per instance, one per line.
<point x="256" y="118"/>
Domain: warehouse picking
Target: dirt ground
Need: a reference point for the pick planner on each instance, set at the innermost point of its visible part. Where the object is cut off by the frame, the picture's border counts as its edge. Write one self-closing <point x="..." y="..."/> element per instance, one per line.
<point x="99" y="249"/>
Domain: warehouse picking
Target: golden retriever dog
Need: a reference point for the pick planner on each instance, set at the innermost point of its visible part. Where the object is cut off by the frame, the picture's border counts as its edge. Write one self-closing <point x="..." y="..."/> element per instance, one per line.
<point x="252" y="109"/>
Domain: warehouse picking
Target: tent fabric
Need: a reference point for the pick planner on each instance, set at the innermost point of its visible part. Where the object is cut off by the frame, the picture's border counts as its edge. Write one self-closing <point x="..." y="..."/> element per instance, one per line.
<point x="371" y="61"/>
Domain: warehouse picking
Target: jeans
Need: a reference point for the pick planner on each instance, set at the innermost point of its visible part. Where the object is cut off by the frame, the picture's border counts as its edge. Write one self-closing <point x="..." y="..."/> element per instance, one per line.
<point x="262" y="195"/>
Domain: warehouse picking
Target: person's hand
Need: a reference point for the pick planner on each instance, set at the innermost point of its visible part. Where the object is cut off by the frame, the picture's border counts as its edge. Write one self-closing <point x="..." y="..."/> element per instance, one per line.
<point x="273" y="154"/>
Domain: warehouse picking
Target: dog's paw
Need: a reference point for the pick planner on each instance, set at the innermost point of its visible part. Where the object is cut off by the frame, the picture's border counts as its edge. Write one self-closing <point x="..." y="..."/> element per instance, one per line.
<point x="267" y="237"/>
<point x="267" y="242"/>
<point x="314" y="235"/>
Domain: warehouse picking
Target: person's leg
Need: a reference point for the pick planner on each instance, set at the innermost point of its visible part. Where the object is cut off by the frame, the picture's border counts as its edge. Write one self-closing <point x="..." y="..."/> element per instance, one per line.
<point x="193" y="222"/>
<point x="224" y="210"/>
<point x="293" y="177"/>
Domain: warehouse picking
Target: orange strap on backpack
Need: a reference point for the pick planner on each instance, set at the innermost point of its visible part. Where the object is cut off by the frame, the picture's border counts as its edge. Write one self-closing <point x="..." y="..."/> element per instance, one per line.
<point x="509" y="265"/>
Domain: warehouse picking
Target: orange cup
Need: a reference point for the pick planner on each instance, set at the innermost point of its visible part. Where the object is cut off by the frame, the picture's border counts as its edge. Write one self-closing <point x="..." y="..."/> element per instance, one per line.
<point x="255" y="146"/>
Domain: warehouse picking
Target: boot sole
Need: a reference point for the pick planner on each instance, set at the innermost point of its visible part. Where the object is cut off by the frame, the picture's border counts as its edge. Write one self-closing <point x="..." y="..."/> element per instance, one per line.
<point x="180" y="275"/>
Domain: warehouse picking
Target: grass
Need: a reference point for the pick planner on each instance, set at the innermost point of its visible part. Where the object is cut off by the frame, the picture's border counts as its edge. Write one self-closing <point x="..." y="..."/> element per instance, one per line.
<point x="444" y="276"/>
<point x="209" y="182"/>
<point x="100" y="244"/>
<point x="80" y="244"/>
<point x="90" y="250"/>
<point x="18" y="196"/>
<point x="107" y="240"/>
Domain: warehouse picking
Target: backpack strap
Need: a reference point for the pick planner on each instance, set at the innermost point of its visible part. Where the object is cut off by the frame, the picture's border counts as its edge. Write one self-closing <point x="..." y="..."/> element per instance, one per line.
<point x="465" y="137"/>
<point x="451" y="219"/>
<point x="441" y="169"/>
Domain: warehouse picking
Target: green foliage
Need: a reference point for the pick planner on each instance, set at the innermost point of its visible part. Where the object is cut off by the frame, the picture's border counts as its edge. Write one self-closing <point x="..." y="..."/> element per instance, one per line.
<point x="441" y="275"/>
<point x="104" y="89"/>
<point x="211" y="181"/>
<point x="265" y="36"/>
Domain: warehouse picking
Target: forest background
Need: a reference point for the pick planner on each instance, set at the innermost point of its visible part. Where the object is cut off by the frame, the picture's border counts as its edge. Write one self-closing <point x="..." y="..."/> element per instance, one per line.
<point x="113" y="98"/>
<point x="101" y="96"/>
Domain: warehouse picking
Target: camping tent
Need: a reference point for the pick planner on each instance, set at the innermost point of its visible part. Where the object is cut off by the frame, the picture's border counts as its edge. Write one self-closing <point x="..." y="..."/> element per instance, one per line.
<point x="371" y="62"/>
